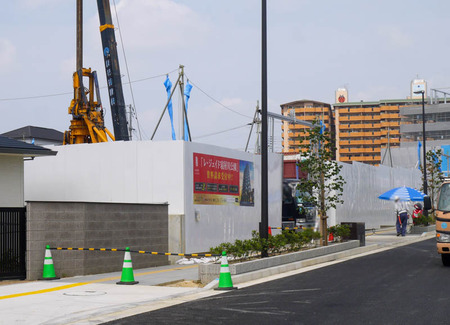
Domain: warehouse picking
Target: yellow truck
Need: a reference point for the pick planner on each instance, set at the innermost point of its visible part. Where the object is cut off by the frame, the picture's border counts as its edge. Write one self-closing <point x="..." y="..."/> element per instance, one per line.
<point x="443" y="222"/>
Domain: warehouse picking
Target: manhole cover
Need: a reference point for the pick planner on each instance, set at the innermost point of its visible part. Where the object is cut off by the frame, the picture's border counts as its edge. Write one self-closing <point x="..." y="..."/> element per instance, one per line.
<point x="85" y="293"/>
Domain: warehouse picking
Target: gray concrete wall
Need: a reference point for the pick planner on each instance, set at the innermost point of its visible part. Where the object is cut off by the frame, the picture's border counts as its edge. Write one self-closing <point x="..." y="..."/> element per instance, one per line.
<point x="176" y="236"/>
<point x="94" y="225"/>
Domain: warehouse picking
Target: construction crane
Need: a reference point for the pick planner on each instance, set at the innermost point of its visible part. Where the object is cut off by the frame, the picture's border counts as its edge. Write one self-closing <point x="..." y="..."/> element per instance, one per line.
<point x="87" y="124"/>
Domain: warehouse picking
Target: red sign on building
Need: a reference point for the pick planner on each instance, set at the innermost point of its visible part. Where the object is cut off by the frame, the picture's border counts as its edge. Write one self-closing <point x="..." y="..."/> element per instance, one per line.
<point x="217" y="180"/>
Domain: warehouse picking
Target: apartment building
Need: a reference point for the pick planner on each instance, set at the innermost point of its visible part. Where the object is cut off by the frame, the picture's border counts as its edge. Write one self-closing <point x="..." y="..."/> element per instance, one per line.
<point x="360" y="129"/>
<point x="363" y="128"/>
<point x="437" y="123"/>
<point x="306" y="110"/>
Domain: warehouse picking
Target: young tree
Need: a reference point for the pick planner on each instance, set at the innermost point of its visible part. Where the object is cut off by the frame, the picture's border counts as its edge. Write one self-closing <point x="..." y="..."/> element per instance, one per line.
<point x="434" y="175"/>
<point x="324" y="184"/>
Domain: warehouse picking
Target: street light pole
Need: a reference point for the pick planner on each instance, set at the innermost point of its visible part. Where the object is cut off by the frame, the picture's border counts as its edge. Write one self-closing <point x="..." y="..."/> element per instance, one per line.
<point x="424" y="167"/>
<point x="264" y="225"/>
<point x="425" y="183"/>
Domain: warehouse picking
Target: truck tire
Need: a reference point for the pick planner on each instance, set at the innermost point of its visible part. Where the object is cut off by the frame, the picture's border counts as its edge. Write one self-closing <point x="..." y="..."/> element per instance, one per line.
<point x="445" y="259"/>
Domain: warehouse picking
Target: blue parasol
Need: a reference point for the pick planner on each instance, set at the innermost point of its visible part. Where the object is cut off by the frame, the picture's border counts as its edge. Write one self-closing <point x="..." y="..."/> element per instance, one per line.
<point x="404" y="194"/>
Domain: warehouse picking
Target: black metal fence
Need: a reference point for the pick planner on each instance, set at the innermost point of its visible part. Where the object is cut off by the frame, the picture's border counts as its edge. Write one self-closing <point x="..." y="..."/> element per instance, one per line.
<point x="12" y="243"/>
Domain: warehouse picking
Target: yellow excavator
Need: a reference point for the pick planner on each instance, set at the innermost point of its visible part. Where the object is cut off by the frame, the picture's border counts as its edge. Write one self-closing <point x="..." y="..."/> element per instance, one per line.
<point x="87" y="124"/>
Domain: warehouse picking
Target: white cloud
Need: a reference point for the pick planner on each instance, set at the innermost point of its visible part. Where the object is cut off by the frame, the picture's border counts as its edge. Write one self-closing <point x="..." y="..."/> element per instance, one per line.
<point x="159" y="24"/>
<point x="7" y="53"/>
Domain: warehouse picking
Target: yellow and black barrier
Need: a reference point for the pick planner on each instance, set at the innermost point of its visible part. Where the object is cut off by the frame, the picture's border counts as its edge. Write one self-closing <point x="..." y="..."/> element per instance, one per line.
<point x="127" y="269"/>
<point x="88" y="249"/>
<point x="177" y="254"/>
<point x="287" y="228"/>
<point x="133" y="251"/>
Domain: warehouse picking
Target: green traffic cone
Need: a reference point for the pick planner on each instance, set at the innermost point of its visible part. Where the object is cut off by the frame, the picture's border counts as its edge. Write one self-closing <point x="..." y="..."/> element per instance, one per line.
<point x="225" y="282"/>
<point x="49" y="270"/>
<point x="127" y="270"/>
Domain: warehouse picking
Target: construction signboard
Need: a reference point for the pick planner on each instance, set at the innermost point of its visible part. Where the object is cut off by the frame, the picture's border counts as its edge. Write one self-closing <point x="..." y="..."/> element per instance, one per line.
<point x="223" y="181"/>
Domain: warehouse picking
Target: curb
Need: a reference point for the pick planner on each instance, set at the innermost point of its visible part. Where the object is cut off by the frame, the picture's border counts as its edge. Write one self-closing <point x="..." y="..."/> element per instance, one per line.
<point x="354" y="252"/>
<point x="126" y="310"/>
<point x="211" y="271"/>
<point x="255" y="275"/>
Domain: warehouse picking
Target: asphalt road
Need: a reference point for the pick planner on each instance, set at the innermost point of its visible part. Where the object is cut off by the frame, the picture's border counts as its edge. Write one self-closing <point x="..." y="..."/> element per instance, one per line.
<point x="405" y="285"/>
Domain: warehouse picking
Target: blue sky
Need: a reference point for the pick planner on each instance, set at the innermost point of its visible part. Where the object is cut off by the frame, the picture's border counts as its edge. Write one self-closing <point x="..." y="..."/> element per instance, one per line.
<point x="374" y="48"/>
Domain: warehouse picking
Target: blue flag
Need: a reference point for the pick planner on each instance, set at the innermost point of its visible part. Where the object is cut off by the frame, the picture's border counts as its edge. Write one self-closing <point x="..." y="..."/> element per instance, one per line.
<point x="187" y="93"/>
<point x="419" y="144"/>
<point x="168" y="86"/>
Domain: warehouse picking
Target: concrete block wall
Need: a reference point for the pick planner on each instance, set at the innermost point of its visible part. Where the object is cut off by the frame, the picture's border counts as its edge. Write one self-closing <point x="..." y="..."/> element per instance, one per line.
<point x="94" y="225"/>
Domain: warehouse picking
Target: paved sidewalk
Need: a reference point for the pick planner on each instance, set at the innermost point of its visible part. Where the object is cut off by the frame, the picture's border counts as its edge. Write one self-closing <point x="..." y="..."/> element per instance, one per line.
<point x="96" y="299"/>
<point x="387" y="237"/>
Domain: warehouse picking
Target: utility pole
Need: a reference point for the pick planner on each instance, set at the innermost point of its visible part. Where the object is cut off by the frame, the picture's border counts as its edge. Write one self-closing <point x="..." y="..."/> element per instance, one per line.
<point x="130" y="121"/>
<point x="258" y="136"/>
<point x="388" y="150"/>
<point x="256" y="121"/>
<point x="264" y="225"/>
<point x="183" y="104"/>
<point x="178" y="83"/>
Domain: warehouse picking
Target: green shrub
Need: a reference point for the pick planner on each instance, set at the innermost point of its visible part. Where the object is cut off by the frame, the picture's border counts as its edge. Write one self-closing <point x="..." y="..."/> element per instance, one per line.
<point x="340" y="232"/>
<point x="423" y="220"/>
<point x="277" y="243"/>
<point x="310" y="235"/>
<point x="288" y="240"/>
<point x="293" y="240"/>
<point x="227" y="247"/>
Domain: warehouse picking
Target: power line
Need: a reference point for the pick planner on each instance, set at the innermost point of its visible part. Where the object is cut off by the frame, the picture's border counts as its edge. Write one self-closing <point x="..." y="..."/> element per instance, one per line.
<point x="70" y="93"/>
<point x="215" y="100"/>
<point x="35" y="97"/>
<point x="154" y="77"/>
<point x="216" y="133"/>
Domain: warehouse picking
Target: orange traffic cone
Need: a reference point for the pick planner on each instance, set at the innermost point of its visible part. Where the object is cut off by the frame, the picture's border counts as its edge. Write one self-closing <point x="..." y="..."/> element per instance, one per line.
<point x="270" y="231"/>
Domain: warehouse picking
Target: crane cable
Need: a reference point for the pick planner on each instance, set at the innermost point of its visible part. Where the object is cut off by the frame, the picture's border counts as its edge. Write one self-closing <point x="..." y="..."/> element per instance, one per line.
<point x="128" y="71"/>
